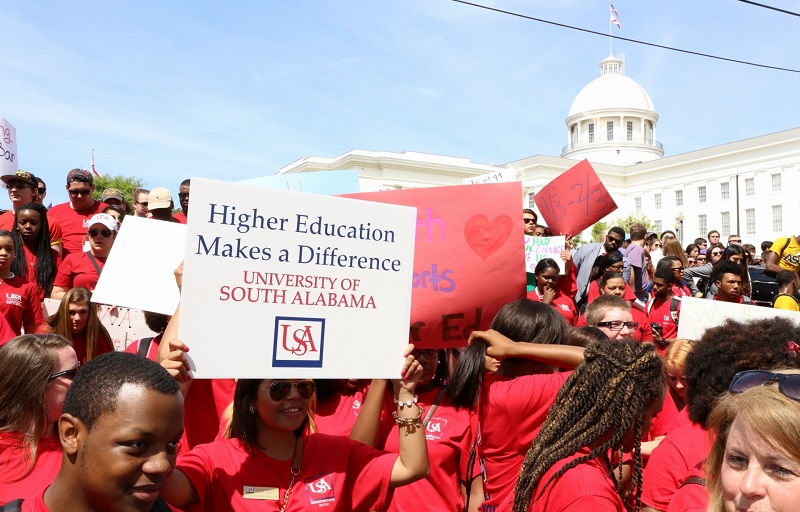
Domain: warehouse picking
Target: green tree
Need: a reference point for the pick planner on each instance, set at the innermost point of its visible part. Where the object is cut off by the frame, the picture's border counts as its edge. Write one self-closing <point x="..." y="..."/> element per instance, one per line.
<point x="125" y="184"/>
<point x="598" y="228"/>
<point x="634" y="218"/>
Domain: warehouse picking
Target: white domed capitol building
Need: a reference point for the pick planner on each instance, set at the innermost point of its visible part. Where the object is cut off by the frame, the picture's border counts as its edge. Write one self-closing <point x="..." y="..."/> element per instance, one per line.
<point x="746" y="187"/>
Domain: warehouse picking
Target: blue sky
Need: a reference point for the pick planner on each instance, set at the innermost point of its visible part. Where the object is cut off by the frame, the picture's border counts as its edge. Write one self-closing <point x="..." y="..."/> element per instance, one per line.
<point x="169" y="90"/>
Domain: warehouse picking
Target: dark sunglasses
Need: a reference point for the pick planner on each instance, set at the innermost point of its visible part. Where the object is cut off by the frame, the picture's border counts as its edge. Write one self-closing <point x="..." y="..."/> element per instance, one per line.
<point x="70" y="374"/>
<point x="716" y="254"/>
<point x="789" y="384"/>
<point x="77" y="193"/>
<point x="42" y="190"/>
<point x="105" y="232"/>
<point x="617" y="325"/>
<point x="141" y="203"/>
<point x="280" y="389"/>
<point x="182" y="195"/>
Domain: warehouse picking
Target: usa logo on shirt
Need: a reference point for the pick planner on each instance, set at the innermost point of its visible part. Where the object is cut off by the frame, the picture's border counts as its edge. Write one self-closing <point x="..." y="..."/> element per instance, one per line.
<point x="435" y="429"/>
<point x="320" y="489"/>
<point x="14" y="299"/>
<point x="298" y="342"/>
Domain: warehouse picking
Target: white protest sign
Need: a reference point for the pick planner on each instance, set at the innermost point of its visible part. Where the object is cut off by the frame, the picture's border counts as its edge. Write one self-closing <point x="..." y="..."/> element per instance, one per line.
<point x="538" y="248"/>
<point x="8" y="148"/>
<point x="124" y="325"/>
<point x="139" y="270"/>
<point x="284" y="284"/>
<point x="504" y="176"/>
<point x="697" y="315"/>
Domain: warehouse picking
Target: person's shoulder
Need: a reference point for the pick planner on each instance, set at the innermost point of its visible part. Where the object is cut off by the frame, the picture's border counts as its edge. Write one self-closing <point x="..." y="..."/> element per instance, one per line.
<point x="59" y="208"/>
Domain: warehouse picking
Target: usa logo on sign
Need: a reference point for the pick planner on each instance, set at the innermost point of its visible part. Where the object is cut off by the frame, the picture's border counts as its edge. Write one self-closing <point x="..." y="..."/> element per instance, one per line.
<point x="320" y="489"/>
<point x="299" y="342"/>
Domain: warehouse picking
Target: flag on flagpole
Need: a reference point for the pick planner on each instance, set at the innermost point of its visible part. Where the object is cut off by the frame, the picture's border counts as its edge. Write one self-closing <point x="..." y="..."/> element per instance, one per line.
<point x="614" y="15"/>
<point x="94" y="171"/>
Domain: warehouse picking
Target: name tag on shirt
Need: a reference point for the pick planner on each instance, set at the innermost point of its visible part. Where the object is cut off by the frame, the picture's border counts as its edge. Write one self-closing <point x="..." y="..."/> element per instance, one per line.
<point x="251" y="492"/>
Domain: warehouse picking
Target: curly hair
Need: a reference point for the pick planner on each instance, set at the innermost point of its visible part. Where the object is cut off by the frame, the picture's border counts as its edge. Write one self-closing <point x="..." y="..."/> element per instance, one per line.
<point x="730" y="348"/>
<point x="521" y="320"/>
<point x="45" y="269"/>
<point x="609" y="393"/>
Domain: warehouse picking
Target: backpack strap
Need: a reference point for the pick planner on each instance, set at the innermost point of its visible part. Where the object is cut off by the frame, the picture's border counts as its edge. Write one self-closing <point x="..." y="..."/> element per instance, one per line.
<point x="696" y="480"/>
<point x="144" y="346"/>
<point x="94" y="262"/>
<point x="788" y="241"/>
<point x="12" y="506"/>
<point x="160" y="506"/>
<point x="673" y="309"/>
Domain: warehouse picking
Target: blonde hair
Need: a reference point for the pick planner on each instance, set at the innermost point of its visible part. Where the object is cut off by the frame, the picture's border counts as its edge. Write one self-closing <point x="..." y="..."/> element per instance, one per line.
<point x="675" y="356"/>
<point x="672" y="247"/>
<point x="598" y="308"/>
<point x="771" y="415"/>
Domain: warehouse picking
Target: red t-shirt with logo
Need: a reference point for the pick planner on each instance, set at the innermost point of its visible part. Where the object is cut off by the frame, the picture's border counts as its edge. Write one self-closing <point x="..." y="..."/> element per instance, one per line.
<point x="510" y="413"/>
<point x="337" y="414"/>
<point x="449" y="439"/>
<point x="77" y="271"/>
<point x="54" y="228"/>
<point x="336" y="474"/>
<point x="14" y="464"/>
<point x="20" y="304"/>
<point x="660" y="313"/>
<point x="74" y="224"/>
<point x="563" y="304"/>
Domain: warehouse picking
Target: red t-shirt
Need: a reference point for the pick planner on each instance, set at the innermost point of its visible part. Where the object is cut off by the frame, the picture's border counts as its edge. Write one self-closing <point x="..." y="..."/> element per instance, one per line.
<point x="586" y="487"/>
<point x="563" y="304"/>
<point x="20" y="304"/>
<point x="677" y="454"/>
<point x="31" y="260"/>
<point x="510" y="413"/>
<point x="77" y="271"/>
<point x="449" y="439"/>
<point x="691" y="496"/>
<point x="180" y="217"/>
<point x="14" y="464"/>
<point x="152" y="349"/>
<point x="337" y="414"/>
<point x="666" y="420"/>
<point x="594" y="292"/>
<point x="336" y="474"/>
<point x="568" y="284"/>
<point x="660" y="313"/>
<point x="54" y="228"/>
<point x="79" y="343"/>
<point x="74" y="224"/>
<point x="204" y="404"/>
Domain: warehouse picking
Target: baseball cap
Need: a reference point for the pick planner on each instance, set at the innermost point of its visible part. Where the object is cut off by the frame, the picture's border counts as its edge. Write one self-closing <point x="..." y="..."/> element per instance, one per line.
<point x="104" y="219"/>
<point x="159" y="198"/>
<point x="24" y="176"/>
<point x="81" y="175"/>
<point x="112" y="193"/>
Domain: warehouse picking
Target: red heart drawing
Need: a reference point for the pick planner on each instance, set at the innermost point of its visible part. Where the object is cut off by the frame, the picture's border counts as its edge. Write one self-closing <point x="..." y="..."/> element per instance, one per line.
<point x="485" y="237"/>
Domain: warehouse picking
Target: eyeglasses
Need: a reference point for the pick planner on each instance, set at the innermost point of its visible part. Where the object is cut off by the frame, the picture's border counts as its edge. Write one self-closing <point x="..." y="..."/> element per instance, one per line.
<point x="280" y="389"/>
<point x="429" y="354"/>
<point x="18" y="184"/>
<point x="615" y="240"/>
<point x="141" y="203"/>
<point x="656" y="245"/>
<point x="678" y="269"/>
<point x="716" y="253"/>
<point x="526" y="221"/>
<point x="617" y="268"/>
<point x="789" y="384"/>
<point x="617" y="325"/>
<point x="76" y="193"/>
<point x="701" y="259"/>
<point x="105" y="232"/>
<point x="42" y="190"/>
<point x="70" y="374"/>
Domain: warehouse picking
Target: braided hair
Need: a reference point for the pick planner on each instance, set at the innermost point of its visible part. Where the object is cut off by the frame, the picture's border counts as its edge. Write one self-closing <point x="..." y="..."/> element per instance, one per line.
<point x="45" y="265"/>
<point x="608" y="394"/>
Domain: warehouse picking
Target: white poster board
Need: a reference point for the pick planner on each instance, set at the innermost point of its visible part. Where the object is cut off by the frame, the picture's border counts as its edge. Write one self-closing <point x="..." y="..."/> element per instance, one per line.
<point x="538" y="248"/>
<point x="124" y="325"/>
<point x="8" y="148"/>
<point x="697" y="315"/>
<point x="288" y="285"/>
<point x="139" y="270"/>
<point x="505" y="176"/>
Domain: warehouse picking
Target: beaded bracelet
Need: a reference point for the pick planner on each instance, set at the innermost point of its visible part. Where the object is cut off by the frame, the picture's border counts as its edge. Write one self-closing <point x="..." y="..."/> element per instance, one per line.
<point x="409" y="424"/>
<point x="408" y="403"/>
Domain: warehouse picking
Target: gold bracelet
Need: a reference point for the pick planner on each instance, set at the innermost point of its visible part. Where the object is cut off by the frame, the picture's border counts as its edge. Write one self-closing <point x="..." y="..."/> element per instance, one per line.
<point x="409" y="424"/>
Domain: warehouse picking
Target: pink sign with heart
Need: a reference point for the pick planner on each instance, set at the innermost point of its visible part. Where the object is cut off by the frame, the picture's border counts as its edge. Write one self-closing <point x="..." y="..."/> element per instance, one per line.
<point x="467" y="257"/>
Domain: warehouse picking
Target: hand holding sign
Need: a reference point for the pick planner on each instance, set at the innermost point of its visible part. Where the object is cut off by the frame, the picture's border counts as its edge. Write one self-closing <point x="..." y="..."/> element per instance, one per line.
<point x="575" y="200"/>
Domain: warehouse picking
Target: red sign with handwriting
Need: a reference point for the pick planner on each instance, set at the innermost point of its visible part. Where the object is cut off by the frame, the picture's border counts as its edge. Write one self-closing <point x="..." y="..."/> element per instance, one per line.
<point x="574" y="201"/>
<point x="467" y="258"/>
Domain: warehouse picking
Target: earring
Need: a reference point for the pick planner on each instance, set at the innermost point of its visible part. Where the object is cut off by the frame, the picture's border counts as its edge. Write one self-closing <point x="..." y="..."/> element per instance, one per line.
<point x="252" y="410"/>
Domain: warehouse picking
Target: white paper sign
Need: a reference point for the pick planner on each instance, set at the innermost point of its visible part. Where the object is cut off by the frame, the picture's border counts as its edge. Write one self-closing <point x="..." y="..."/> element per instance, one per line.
<point x="124" y="325"/>
<point x="283" y="284"/>
<point x="697" y="315"/>
<point x="538" y="248"/>
<point x="8" y="148"/>
<point x="506" y="176"/>
<point x="139" y="270"/>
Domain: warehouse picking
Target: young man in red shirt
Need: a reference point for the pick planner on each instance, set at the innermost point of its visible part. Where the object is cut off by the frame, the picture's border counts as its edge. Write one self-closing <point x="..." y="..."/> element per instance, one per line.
<point x="74" y="215"/>
<point x="183" y="197"/>
<point x="727" y="275"/>
<point x="23" y="188"/>
<point x="663" y="309"/>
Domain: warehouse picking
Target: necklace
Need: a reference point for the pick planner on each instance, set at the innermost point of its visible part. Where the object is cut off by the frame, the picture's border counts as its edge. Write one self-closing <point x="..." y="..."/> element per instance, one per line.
<point x="295" y="470"/>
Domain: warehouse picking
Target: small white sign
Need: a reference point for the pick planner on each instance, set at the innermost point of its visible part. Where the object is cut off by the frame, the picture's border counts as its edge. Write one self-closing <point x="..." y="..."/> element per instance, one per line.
<point x="697" y="315"/>
<point x="8" y="148"/>
<point x="139" y="270"/>
<point x="284" y="284"/>
<point x="538" y="248"/>
<point x="504" y="176"/>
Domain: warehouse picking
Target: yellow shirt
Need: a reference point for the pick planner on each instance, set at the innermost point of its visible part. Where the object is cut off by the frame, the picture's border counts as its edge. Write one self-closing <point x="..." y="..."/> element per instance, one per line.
<point x="786" y="302"/>
<point x="789" y="259"/>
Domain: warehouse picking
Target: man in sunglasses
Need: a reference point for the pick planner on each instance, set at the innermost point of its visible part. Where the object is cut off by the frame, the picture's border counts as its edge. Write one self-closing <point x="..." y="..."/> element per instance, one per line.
<point x="82" y="269"/>
<point x="183" y="197"/>
<point x="529" y="219"/>
<point x="74" y="215"/>
<point x="22" y="189"/>
<point x="140" y="202"/>
<point x="586" y="255"/>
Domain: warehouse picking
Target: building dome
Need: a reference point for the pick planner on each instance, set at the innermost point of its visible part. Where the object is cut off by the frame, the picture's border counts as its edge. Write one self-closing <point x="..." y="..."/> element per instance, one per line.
<point x="612" y="120"/>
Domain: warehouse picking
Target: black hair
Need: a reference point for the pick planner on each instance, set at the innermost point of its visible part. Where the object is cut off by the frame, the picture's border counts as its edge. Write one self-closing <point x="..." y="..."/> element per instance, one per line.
<point x="95" y="389"/>
<point x="522" y="320"/>
<point x="584" y="335"/>
<point x="186" y="182"/>
<point x="666" y="274"/>
<point x="691" y="247"/>
<point x="45" y="269"/>
<point x="608" y="276"/>
<point x="244" y="424"/>
<point x="602" y="262"/>
<point x="765" y="245"/>
<point x="700" y="241"/>
<point x="618" y="230"/>
<point x="725" y="267"/>
<point x="734" y="347"/>
<point x="666" y="262"/>
<point x="156" y="322"/>
<point x="785" y="277"/>
<point x="545" y="264"/>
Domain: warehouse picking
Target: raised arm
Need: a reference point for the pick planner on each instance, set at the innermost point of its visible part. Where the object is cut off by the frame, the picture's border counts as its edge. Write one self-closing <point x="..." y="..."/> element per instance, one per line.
<point x="412" y="463"/>
<point x="500" y="347"/>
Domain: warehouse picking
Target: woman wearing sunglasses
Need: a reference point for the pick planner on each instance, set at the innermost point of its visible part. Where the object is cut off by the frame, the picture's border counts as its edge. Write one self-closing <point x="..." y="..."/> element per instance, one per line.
<point x="755" y="461"/>
<point x="30" y="403"/>
<point x="274" y="462"/>
<point x="82" y="269"/>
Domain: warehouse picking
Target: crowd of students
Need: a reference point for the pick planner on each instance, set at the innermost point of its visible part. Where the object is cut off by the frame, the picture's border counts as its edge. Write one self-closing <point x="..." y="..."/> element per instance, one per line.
<point x="562" y="405"/>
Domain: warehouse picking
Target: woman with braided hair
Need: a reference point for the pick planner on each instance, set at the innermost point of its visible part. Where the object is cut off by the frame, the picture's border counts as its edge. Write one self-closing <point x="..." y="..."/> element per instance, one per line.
<point x="603" y="409"/>
<point x="35" y="259"/>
